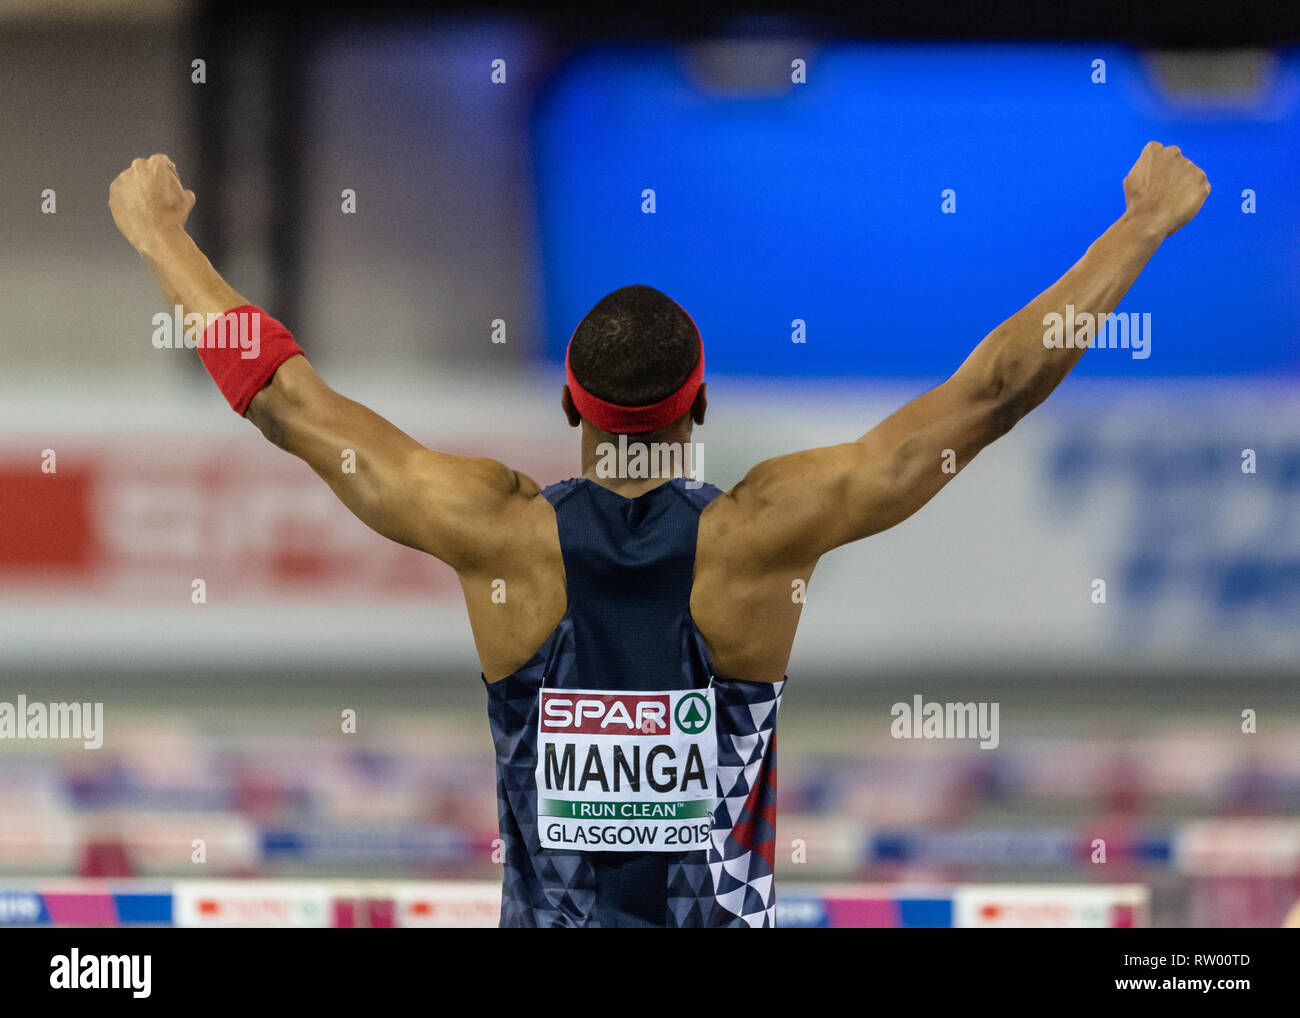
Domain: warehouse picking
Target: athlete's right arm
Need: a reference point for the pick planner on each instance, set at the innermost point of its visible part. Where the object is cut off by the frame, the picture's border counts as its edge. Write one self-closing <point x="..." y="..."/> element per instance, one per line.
<point x="456" y="508"/>
<point x="459" y="509"/>
<point x="789" y="511"/>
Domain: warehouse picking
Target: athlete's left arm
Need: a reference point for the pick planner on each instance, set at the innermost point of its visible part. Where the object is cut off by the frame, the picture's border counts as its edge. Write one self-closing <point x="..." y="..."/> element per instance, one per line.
<point x="791" y="510"/>
<point x="453" y="507"/>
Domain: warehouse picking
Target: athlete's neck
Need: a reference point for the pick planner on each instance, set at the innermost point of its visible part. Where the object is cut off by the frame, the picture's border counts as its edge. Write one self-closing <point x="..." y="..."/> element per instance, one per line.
<point x="606" y="457"/>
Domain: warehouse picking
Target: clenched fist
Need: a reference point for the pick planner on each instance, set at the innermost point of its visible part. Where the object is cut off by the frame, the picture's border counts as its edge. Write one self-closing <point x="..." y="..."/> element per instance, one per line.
<point x="1164" y="189"/>
<point x="147" y="200"/>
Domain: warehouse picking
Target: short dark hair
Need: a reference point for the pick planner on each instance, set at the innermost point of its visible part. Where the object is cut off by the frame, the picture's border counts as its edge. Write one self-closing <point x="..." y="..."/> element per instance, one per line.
<point x="636" y="347"/>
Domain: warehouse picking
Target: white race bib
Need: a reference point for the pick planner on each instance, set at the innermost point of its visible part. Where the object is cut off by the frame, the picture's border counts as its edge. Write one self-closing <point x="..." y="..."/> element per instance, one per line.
<point x="626" y="772"/>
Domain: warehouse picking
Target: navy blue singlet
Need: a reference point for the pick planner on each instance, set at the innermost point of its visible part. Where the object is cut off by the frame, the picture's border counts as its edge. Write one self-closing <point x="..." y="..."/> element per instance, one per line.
<point x="629" y="565"/>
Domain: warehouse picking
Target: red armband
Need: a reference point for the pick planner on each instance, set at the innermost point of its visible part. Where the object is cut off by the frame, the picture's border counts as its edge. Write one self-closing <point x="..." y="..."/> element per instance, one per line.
<point x="242" y="350"/>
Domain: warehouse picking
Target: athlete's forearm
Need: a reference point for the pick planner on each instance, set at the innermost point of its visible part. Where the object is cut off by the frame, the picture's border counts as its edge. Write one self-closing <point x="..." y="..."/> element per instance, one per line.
<point x="1015" y="363"/>
<point x="1016" y="367"/>
<point x="185" y="275"/>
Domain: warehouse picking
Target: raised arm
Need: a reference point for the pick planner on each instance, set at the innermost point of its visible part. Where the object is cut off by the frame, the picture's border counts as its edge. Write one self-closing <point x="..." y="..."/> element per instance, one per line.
<point x="790" y="510"/>
<point x="452" y="507"/>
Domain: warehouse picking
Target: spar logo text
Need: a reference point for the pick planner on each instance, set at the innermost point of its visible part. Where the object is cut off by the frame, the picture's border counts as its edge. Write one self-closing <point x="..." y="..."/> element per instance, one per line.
<point x="605" y="714"/>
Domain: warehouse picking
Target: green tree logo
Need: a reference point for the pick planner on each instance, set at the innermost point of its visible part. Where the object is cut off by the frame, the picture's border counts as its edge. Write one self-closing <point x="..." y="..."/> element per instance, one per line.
<point x="693" y="713"/>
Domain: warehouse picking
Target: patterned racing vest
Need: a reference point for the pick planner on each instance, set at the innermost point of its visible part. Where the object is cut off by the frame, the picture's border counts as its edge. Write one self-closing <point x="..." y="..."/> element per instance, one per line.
<point x="629" y="566"/>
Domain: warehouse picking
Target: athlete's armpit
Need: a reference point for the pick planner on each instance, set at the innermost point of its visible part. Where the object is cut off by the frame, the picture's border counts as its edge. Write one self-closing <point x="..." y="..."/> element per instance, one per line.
<point x="455" y="508"/>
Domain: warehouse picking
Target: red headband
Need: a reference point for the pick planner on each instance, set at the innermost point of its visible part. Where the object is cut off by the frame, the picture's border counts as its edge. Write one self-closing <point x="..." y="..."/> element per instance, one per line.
<point x="614" y="417"/>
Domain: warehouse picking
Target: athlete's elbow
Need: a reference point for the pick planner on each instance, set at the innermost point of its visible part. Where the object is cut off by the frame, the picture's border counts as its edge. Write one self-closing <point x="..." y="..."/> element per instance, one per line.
<point x="1015" y="402"/>
<point x="1010" y="385"/>
<point x="268" y="419"/>
<point x="290" y="404"/>
<point x="1006" y="397"/>
<point x="1005" y="413"/>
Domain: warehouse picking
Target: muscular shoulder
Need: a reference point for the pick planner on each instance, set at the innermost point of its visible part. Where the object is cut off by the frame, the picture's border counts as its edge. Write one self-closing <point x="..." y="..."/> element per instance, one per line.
<point x="484" y="511"/>
<point x="773" y="519"/>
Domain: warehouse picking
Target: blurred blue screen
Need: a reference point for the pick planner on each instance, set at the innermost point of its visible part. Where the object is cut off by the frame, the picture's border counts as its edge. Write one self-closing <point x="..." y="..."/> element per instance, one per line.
<point x="823" y="203"/>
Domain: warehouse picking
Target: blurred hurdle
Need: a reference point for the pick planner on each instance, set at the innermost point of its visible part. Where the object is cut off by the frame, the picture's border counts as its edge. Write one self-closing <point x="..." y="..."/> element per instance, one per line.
<point x="379" y="904"/>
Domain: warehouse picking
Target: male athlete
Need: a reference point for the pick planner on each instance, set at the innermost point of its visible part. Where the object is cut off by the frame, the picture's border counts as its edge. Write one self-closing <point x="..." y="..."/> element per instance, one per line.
<point x="635" y="668"/>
